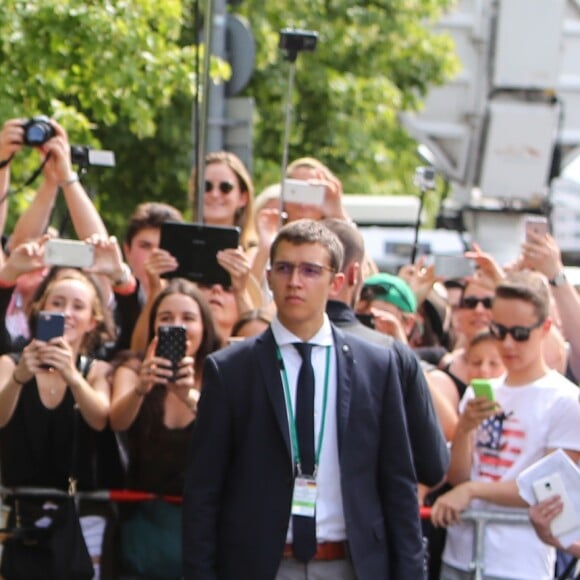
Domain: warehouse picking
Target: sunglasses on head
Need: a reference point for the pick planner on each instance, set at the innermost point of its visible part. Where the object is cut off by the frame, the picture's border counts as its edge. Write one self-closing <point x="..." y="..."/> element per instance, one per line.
<point x="223" y="186"/>
<point x="518" y="333"/>
<point x="471" y="302"/>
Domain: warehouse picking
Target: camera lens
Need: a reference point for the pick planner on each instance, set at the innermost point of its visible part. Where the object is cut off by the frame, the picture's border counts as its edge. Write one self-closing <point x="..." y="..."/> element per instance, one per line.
<point x="36" y="134"/>
<point x="38" y="131"/>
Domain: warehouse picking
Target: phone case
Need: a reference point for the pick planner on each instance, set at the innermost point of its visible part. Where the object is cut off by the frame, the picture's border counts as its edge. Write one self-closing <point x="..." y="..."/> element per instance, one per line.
<point x="73" y="253"/>
<point x="298" y="191"/>
<point x="49" y="325"/>
<point x="482" y="388"/>
<point x="171" y="344"/>
<point x="550" y="486"/>
<point x="453" y="266"/>
<point x="537" y="225"/>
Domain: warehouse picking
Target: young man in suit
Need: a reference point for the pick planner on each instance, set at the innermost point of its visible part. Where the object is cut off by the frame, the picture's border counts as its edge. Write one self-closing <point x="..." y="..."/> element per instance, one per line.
<point x="276" y="492"/>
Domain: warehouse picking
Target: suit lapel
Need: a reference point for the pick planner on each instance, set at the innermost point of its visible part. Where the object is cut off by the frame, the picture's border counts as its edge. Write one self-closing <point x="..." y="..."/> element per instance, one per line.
<point x="267" y="359"/>
<point x="344" y="367"/>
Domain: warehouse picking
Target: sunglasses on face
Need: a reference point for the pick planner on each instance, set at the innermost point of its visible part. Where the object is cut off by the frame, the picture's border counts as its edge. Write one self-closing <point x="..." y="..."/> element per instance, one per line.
<point x="518" y="333"/>
<point x="305" y="269"/>
<point x="225" y="187"/>
<point x="471" y="302"/>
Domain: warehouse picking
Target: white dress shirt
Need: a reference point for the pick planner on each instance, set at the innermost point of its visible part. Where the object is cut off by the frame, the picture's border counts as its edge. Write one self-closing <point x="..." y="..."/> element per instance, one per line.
<point x="330" y="526"/>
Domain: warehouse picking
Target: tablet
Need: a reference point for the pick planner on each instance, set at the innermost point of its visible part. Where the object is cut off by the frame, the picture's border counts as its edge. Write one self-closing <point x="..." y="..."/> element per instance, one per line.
<point x="195" y="246"/>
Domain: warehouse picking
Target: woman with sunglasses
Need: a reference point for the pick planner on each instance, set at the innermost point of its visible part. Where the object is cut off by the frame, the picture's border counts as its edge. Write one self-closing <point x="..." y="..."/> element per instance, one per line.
<point x="473" y="316"/>
<point x="228" y="195"/>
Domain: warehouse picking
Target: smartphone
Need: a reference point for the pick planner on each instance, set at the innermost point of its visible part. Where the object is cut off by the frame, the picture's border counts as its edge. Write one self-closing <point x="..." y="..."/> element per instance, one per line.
<point x="299" y="191"/>
<point x="550" y="486"/>
<point x="453" y="266"/>
<point x="538" y="224"/>
<point x="49" y="325"/>
<point x="366" y="319"/>
<point x="482" y="388"/>
<point x="171" y="344"/>
<point x="73" y="253"/>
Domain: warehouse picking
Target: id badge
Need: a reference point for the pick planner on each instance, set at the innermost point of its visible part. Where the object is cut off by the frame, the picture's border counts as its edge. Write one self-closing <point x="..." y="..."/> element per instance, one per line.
<point x="304" y="496"/>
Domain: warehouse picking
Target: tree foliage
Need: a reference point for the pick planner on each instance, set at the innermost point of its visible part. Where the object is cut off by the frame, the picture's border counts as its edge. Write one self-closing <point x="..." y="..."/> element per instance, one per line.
<point x="120" y="74"/>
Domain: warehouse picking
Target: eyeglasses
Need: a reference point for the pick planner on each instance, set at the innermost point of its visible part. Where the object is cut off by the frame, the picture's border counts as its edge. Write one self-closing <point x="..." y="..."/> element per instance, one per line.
<point x="305" y="269"/>
<point x="225" y="187"/>
<point x="471" y="302"/>
<point x="518" y="333"/>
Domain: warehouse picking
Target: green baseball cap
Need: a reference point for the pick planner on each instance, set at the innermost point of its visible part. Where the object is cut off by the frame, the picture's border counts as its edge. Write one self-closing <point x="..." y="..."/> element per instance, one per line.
<point x="392" y="289"/>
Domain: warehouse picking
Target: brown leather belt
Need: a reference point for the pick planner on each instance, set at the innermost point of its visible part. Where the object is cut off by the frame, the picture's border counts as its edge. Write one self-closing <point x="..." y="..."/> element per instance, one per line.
<point x="324" y="551"/>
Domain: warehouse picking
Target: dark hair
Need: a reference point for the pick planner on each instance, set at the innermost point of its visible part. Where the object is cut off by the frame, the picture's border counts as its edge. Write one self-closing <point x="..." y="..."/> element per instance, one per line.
<point x="244" y="217"/>
<point x="104" y="330"/>
<point x="528" y="286"/>
<point x="150" y="215"/>
<point x="352" y="242"/>
<point x="306" y="231"/>
<point x="479" y="338"/>
<point x="248" y="316"/>
<point x="210" y="340"/>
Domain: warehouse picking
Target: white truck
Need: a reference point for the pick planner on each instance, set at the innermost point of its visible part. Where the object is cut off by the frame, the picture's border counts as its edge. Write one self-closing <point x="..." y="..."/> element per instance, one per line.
<point x="498" y="130"/>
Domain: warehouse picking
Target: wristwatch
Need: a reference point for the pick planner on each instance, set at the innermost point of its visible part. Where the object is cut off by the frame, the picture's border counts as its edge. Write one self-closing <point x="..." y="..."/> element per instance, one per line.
<point x="559" y="279"/>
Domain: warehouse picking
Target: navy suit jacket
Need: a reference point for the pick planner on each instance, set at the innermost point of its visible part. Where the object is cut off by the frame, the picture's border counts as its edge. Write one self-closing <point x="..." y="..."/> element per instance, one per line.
<point x="239" y="477"/>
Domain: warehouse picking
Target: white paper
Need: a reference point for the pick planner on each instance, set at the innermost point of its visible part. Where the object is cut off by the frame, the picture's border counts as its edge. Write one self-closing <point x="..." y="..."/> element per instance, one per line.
<point x="558" y="461"/>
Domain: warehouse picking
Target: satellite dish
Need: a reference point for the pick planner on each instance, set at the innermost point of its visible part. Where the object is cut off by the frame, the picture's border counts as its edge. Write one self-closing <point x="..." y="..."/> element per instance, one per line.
<point x="241" y="53"/>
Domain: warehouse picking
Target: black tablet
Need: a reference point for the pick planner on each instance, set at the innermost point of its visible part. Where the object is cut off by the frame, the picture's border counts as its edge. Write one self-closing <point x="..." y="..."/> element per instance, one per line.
<point x="195" y="246"/>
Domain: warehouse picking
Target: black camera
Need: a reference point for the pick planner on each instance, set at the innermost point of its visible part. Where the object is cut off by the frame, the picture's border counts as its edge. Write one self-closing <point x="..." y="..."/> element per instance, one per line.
<point x="37" y="131"/>
<point x="297" y="40"/>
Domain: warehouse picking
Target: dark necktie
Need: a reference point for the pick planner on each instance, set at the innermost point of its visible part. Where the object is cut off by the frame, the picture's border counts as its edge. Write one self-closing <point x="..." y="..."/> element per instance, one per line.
<point x="304" y="528"/>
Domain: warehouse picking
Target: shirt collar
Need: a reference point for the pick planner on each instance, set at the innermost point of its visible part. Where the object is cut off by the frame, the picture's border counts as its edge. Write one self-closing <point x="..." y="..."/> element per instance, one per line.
<point x="283" y="336"/>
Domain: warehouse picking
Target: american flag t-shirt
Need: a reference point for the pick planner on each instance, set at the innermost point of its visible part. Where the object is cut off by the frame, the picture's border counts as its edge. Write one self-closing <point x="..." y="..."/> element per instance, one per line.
<point x="499" y="442"/>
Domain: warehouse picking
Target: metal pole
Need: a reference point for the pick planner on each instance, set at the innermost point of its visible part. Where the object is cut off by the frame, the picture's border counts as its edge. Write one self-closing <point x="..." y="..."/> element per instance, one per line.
<point x="216" y="93"/>
<point x="204" y="89"/>
<point x="287" y="125"/>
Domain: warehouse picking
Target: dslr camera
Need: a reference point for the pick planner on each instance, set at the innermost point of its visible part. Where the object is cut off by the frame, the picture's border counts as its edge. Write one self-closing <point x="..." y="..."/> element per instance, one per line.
<point x="37" y="131"/>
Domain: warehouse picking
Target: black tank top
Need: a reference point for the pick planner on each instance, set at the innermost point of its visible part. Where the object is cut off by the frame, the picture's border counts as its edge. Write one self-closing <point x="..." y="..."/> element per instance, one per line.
<point x="36" y="446"/>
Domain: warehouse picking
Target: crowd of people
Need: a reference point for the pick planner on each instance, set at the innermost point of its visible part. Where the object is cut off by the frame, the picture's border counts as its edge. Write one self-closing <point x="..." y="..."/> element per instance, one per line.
<point x="318" y="404"/>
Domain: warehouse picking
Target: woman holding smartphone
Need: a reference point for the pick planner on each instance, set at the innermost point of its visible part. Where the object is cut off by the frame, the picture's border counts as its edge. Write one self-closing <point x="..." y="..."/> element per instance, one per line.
<point x="155" y="402"/>
<point x="40" y="390"/>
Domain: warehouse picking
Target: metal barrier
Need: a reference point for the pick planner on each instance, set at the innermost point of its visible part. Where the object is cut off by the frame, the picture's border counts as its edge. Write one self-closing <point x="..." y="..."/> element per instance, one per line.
<point x="480" y="519"/>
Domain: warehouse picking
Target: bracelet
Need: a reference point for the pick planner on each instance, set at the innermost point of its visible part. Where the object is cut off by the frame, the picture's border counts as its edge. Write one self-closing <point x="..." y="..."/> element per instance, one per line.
<point x="74" y="177"/>
<point x="16" y="380"/>
<point x="124" y="277"/>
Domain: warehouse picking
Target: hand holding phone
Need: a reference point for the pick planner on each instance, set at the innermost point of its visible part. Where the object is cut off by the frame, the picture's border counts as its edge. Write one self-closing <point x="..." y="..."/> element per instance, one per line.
<point x="171" y="344"/>
<point x="303" y="192"/>
<point x="550" y="486"/>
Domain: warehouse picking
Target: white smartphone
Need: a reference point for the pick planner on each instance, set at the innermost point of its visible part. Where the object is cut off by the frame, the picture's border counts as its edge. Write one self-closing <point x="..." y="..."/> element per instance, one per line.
<point x="550" y="486"/>
<point x="73" y="253"/>
<point x="299" y="191"/>
<point x="537" y="224"/>
<point x="453" y="266"/>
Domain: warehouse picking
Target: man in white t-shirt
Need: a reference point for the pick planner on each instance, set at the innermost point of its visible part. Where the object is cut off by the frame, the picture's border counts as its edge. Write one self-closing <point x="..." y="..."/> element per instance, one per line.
<point x="535" y="411"/>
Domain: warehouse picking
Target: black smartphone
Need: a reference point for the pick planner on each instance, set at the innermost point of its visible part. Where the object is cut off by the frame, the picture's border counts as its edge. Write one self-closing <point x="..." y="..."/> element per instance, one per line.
<point x="49" y="325"/>
<point x="171" y="344"/>
<point x="366" y="319"/>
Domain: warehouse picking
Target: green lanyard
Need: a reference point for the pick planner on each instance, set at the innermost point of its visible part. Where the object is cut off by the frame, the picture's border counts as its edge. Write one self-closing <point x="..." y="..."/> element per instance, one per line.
<point x="292" y="419"/>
